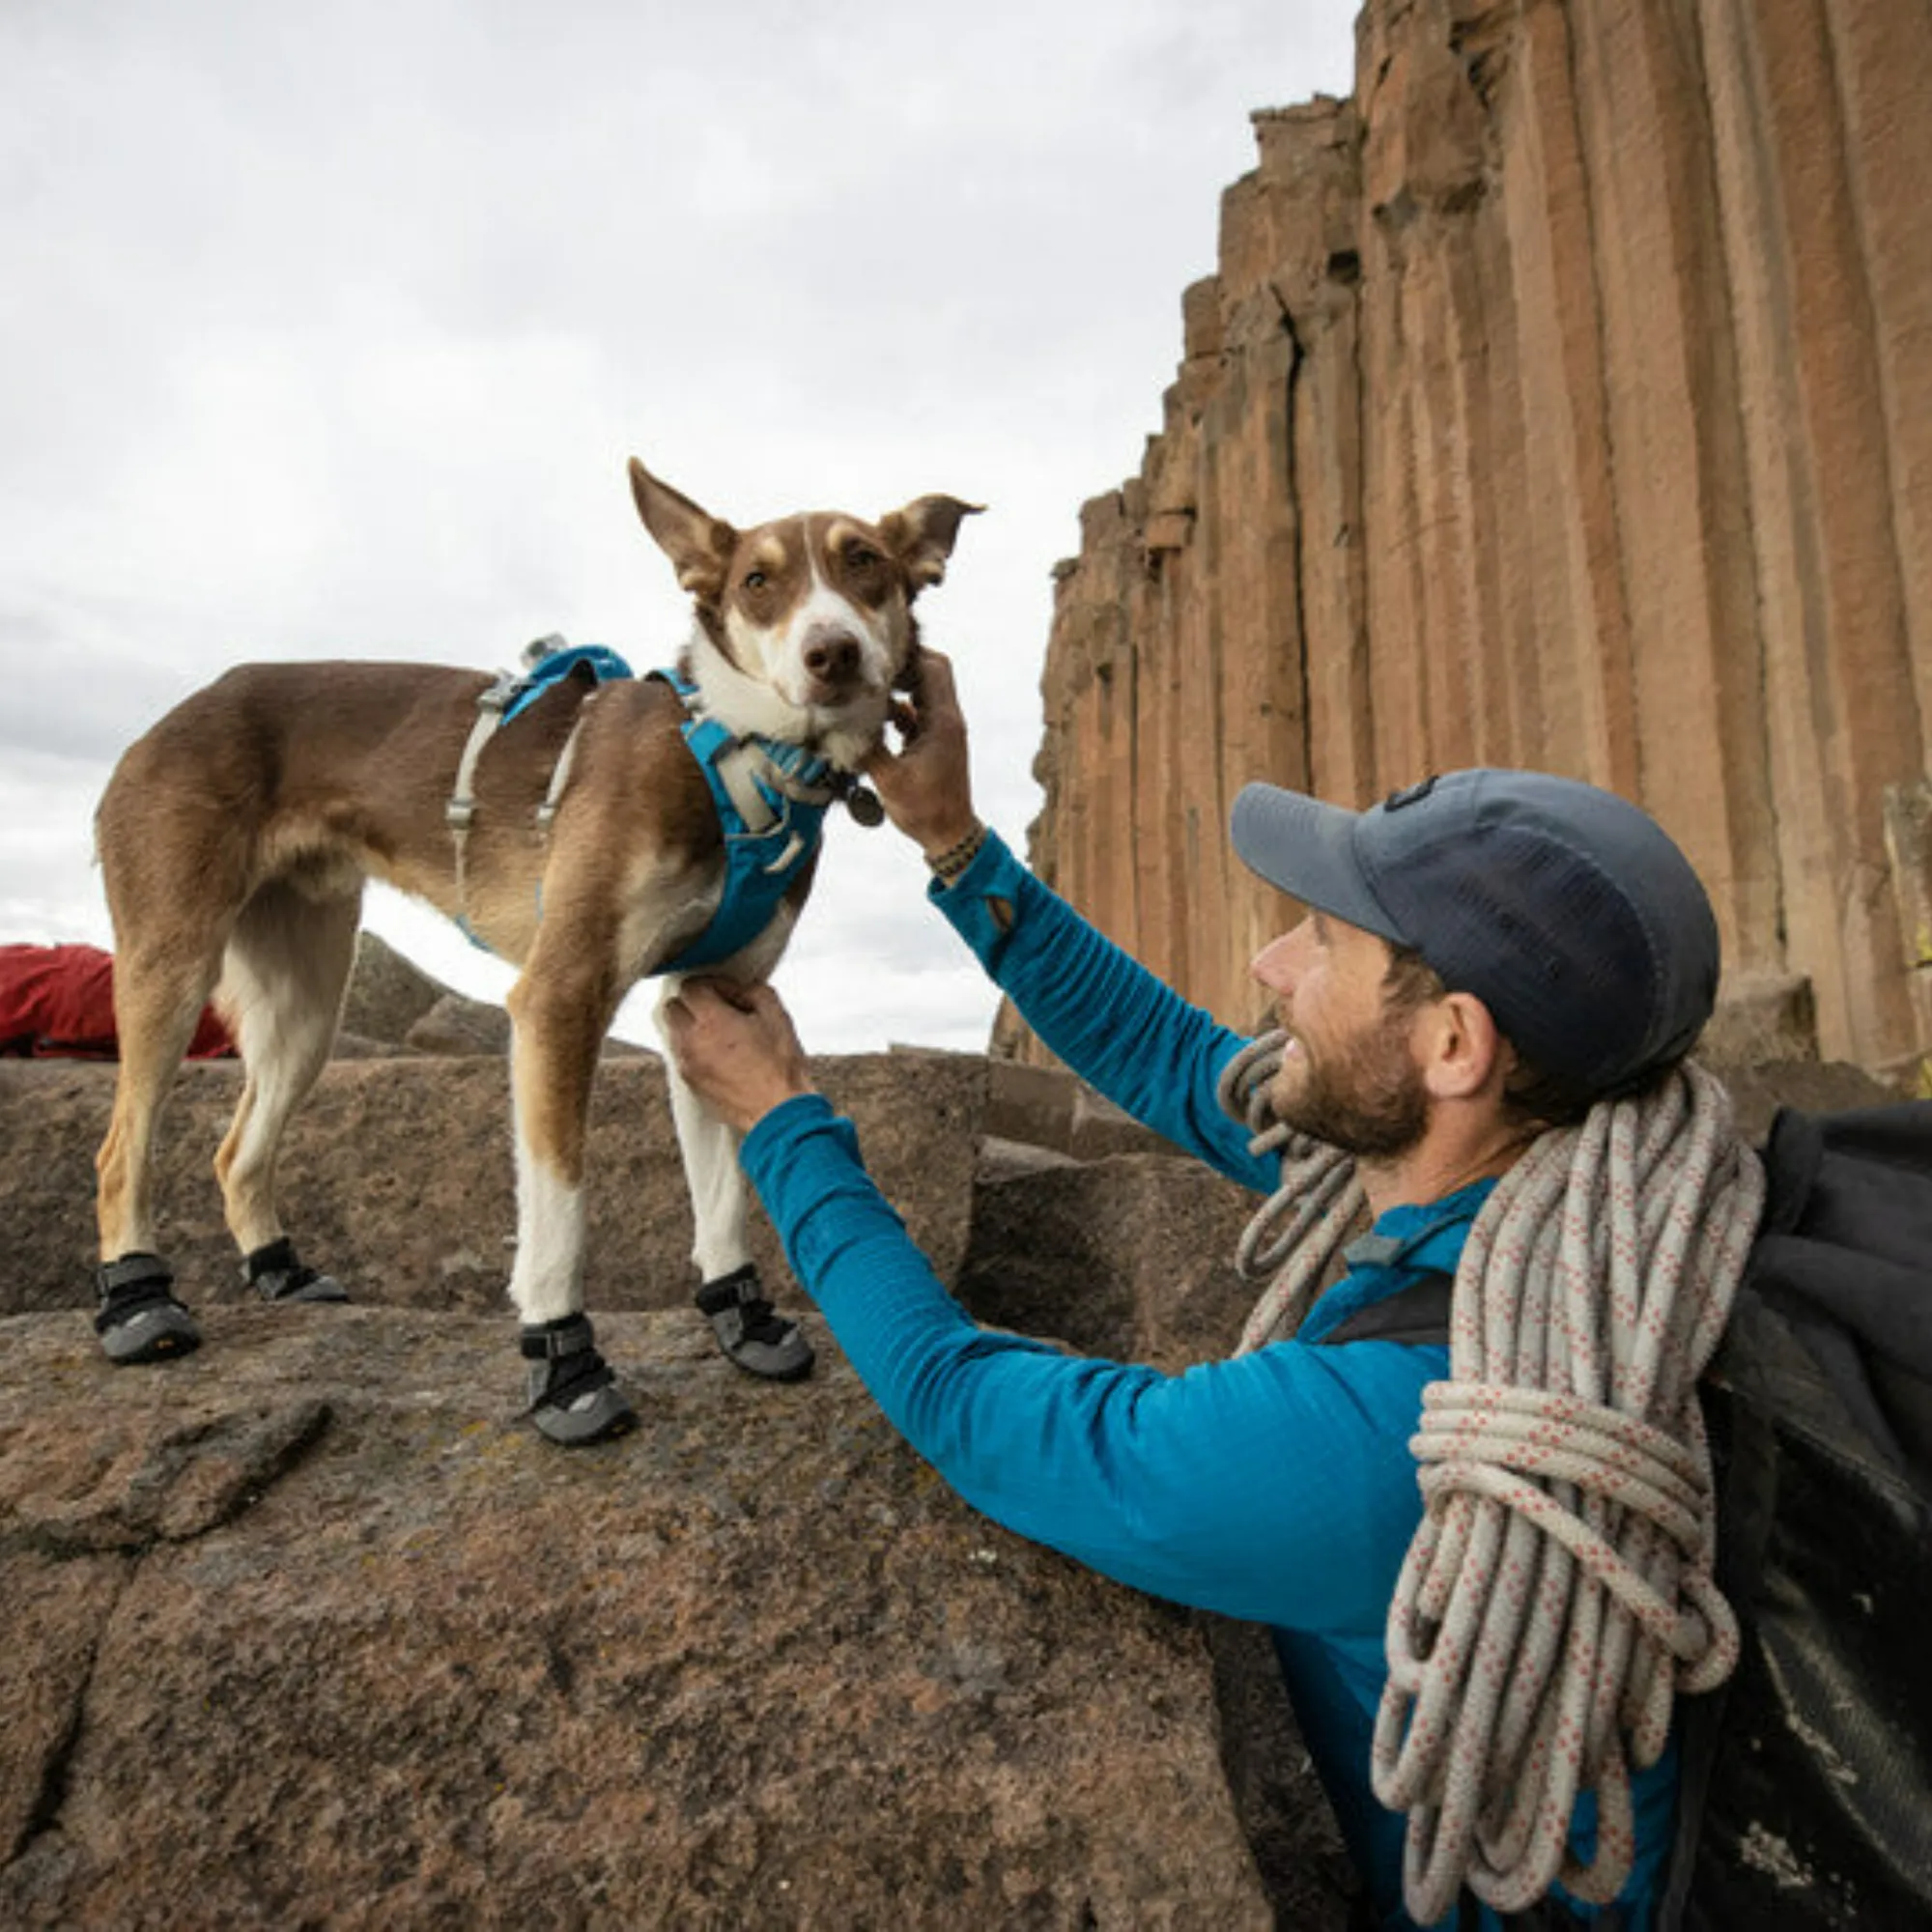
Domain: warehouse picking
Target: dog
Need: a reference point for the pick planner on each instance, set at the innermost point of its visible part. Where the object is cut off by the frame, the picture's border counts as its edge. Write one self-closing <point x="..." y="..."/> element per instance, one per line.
<point x="575" y="824"/>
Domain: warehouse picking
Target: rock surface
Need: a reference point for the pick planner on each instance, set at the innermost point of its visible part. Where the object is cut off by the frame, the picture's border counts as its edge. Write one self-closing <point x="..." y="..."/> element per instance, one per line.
<point x="1557" y="401"/>
<point x="310" y="1629"/>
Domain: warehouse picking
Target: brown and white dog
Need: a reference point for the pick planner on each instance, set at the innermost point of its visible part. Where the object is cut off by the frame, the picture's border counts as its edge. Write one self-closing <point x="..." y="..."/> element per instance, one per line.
<point x="580" y="842"/>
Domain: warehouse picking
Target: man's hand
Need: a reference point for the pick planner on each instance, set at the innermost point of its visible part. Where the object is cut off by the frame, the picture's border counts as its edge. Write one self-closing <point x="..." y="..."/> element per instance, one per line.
<point x="736" y="1046"/>
<point x="926" y="786"/>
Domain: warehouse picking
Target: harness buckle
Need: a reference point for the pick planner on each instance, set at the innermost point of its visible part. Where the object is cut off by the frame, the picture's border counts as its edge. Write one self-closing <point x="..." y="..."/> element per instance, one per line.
<point x="458" y="813"/>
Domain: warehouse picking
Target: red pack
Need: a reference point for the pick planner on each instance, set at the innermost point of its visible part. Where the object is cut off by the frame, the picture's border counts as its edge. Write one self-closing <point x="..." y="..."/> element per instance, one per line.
<point x="57" y="1003"/>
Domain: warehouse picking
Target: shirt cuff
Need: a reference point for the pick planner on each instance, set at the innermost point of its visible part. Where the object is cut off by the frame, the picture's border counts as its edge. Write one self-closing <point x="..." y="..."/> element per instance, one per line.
<point x="784" y="1123"/>
<point x="996" y="873"/>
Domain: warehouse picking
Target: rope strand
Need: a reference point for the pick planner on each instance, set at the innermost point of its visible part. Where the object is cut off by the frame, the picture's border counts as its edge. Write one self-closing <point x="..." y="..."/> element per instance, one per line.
<point x="1559" y="1592"/>
<point x="1295" y="1238"/>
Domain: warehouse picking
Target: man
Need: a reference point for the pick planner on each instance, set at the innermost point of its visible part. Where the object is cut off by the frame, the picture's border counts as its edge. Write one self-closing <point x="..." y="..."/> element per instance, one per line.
<point x="1486" y="953"/>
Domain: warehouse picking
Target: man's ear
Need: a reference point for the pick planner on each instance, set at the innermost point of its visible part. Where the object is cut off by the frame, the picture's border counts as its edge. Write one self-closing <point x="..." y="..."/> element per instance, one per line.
<point x="698" y="544"/>
<point x="1461" y="1048"/>
<point x="921" y="536"/>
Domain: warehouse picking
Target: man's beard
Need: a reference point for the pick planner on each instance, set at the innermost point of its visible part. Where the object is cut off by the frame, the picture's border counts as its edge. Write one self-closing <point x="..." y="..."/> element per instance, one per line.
<point x="1368" y="1099"/>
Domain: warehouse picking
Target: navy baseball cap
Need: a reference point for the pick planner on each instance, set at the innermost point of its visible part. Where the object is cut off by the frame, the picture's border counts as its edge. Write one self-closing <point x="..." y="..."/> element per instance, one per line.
<point x="1566" y="910"/>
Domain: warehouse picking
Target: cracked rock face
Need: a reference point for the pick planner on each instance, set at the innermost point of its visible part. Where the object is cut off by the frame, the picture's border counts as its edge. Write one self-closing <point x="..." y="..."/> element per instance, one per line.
<point x="310" y="1627"/>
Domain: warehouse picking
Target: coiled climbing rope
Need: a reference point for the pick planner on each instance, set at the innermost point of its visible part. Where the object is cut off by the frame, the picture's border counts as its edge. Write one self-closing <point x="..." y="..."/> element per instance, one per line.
<point x="1558" y="1593"/>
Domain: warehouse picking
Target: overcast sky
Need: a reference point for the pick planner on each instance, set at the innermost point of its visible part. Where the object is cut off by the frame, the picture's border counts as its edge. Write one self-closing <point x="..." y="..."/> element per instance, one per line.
<point x="325" y="330"/>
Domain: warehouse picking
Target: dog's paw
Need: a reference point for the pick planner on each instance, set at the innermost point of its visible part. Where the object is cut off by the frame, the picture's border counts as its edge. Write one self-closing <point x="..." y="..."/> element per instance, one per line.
<point x="277" y="1273"/>
<point x="139" y="1319"/>
<point x="750" y="1331"/>
<point x="600" y="1415"/>
<point x="574" y="1397"/>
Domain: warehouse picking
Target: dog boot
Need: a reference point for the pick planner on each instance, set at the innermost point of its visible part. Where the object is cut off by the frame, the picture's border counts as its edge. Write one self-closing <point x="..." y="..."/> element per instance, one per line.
<point x="574" y="1397"/>
<point x="275" y="1274"/>
<point x="139" y="1319"/>
<point x="750" y="1331"/>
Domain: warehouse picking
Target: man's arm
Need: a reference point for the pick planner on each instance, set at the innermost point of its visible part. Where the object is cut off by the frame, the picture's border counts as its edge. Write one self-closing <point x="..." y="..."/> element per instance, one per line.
<point x="1277" y="1486"/>
<point x="1121" y="1029"/>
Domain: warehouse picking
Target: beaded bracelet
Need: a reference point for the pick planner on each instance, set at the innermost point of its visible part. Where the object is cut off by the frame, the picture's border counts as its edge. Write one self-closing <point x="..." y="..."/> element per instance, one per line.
<point x="948" y="865"/>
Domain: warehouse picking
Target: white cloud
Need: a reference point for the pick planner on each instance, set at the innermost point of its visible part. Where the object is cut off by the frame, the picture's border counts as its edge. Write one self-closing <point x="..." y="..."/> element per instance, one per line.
<point x="328" y="333"/>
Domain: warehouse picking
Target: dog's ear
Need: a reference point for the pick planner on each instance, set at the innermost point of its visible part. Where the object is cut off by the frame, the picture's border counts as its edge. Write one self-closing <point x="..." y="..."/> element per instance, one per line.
<point x="698" y="544"/>
<point x="922" y="534"/>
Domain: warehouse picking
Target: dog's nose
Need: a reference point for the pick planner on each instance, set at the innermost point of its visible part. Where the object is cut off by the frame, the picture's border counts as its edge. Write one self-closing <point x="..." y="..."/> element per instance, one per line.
<point x="834" y="659"/>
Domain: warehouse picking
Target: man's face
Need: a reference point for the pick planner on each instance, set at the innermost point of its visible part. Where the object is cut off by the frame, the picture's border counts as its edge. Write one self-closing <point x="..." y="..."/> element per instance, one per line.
<point x="1348" y="1074"/>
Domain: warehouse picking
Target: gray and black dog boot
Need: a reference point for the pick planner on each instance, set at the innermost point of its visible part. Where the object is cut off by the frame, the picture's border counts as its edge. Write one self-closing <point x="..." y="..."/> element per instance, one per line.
<point x="139" y="1319"/>
<point x="750" y="1331"/>
<point x="574" y="1397"/>
<point x="276" y="1274"/>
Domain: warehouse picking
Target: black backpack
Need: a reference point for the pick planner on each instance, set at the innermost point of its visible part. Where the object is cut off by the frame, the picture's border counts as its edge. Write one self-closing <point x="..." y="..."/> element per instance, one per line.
<point x="1806" y="1798"/>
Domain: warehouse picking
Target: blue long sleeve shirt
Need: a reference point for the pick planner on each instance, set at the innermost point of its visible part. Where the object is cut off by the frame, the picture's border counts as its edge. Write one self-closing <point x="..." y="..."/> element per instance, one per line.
<point x="1277" y="1486"/>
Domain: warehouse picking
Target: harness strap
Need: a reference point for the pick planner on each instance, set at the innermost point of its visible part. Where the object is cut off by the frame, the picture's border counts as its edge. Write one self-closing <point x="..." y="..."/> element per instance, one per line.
<point x="784" y="776"/>
<point x="770" y="798"/>
<point x="547" y="661"/>
<point x="736" y="771"/>
<point x="561" y="777"/>
<point x="751" y="771"/>
<point x="460" y="810"/>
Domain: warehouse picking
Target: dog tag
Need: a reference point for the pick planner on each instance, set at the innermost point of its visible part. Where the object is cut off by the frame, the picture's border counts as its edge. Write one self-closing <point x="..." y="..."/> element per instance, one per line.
<point x="864" y="805"/>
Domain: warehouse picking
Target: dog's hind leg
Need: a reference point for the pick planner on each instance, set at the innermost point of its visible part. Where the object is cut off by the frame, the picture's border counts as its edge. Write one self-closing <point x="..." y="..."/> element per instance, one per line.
<point x="283" y="979"/>
<point x="159" y="991"/>
<point x="560" y="1008"/>
<point x="162" y="979"/>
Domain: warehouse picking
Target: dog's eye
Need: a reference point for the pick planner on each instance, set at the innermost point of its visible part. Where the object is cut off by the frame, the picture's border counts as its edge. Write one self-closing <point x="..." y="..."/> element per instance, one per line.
<point x="861" y="557"/>
<point x="754" y="579"/>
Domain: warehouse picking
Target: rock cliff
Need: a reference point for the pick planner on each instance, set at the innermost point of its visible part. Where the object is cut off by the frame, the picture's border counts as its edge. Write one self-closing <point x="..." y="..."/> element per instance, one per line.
<point x="1560" y="400"/>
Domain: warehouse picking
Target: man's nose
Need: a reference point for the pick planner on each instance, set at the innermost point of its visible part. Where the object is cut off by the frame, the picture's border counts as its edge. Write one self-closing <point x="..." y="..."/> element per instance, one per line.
<point x="1277" y="966"/>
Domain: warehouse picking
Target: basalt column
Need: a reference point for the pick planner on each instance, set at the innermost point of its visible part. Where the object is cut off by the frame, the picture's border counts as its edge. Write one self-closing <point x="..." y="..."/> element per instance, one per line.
<point x="1563" y="399"/>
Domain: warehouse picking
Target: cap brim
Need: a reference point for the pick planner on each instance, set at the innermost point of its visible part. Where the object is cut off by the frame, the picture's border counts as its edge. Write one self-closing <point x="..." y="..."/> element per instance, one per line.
<point x="1307" y="849"/>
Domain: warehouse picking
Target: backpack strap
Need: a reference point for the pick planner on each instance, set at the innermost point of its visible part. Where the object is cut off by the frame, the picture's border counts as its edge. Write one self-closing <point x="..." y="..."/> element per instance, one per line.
<point x="1744" y="1446"/>
<point x="1416" y="1313"/>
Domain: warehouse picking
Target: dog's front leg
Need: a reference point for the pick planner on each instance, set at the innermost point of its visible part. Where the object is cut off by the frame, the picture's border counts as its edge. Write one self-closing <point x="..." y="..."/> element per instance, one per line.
<point x="558" y="1011"/>
<point x="719" y="1199"/>
<point x="748" y="1328"/>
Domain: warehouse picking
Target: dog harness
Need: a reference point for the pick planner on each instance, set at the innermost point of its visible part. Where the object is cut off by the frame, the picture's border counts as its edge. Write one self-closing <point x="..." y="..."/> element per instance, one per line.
<point x="770" y="797"/>
<point x="547" y="663"/>
<point x="771" y="801"/>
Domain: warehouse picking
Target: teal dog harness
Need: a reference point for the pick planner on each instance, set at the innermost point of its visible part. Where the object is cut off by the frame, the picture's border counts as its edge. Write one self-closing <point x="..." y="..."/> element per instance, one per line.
<point x="771" y="801"/>
<point x="770" y="797"/>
